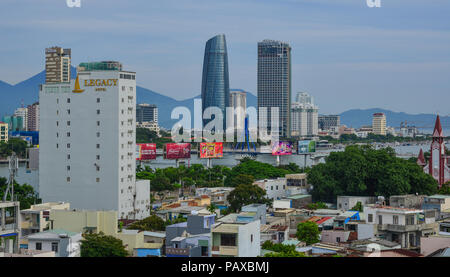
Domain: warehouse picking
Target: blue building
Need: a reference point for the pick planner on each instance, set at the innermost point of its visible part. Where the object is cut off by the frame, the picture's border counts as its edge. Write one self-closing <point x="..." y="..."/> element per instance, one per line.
<point x="215" y="80"/>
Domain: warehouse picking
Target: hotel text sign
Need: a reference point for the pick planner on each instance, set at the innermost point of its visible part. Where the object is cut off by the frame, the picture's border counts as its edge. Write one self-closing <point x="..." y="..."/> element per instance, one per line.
<point x="100" y="84"/>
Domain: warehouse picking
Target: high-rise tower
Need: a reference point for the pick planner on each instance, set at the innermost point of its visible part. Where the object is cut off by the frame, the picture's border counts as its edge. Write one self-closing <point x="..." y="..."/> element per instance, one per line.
<point x="57" y="65"/>
<point x="215" y="80"/>
<point x="274" y="82"/>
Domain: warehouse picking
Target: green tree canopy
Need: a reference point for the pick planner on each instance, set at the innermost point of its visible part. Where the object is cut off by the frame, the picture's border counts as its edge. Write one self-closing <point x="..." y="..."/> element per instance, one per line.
<point x="308" y="232"/>
<point x="246" y="194"/>
<point x="364" y="171"/>
<point x="151" y="223"/>
<point x="24" y="193"/>
<point x="101" y="245"/>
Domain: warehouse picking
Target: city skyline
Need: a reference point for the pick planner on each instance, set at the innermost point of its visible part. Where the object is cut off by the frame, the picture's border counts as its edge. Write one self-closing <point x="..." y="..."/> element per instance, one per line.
<point x="365" y="55"/>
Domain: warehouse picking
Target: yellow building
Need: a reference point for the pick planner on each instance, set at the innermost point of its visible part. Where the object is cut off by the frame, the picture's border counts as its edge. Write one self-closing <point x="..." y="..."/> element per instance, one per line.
<point x="85" y="221"/>
<point x="3" y="132"/>
<point x="379" y="124"/>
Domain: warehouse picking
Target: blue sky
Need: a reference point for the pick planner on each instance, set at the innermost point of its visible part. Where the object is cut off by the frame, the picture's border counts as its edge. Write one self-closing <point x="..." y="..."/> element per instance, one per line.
<point x="343" y="53"/>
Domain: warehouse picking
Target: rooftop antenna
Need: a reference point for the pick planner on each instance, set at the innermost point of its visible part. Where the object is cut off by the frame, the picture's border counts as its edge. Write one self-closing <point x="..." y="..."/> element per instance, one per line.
<point x="13" y="164"/>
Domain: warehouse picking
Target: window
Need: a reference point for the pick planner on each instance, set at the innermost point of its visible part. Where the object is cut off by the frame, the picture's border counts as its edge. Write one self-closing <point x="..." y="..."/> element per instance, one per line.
<point x="98" y="100"/>
<point x="98" y="146"/>
<point x="338" y="239"/>
<point x="98" y="111"/>
<point x="98" y="123"/>
<point x="395" y="219"/>
<point x="68" y="134"/>
<point x="38" y="245"/>
<point x="380" y="219"/>
<point x="68" y="179"/>
<point x="68" y="168"/>
<point x="68" y="145"/>
<point x="97" y="180"/>
<point x="68" y="111"/>
<point x="57" y="123"/>
<point x="68" y="123"/>
<point x="68" y="100"/>
<point x="251" y="238"/>
<point x="57" y="146"/>
<point x="98" y="134"/>
<point x="228" y="239"/>
<point x="98" y="157"/>
<point x="57" y="112"/>
<point x="55" y="247"/>
<point x="57" y="135"/>
<point x="57" y="100"/>
<point x="68" y="156"/>
<point x="370" y="218"/>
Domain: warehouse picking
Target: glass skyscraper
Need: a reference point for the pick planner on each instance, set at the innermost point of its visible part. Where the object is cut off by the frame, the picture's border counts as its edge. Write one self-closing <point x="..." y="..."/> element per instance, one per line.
<point x="215" y="81"/>
<point x="274" y="82"/>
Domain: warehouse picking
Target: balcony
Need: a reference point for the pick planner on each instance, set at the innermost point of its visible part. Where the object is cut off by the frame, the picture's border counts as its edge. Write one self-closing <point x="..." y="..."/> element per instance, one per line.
<point x="225" y="250"/>
<point x="404" y="228"/>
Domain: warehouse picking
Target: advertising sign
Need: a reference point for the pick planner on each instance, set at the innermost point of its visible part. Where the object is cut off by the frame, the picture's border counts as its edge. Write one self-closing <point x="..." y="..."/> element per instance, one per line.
<point x="145" y="151"/>
<point x="306" y="146"/>
<point x="211" y="150"/>
<point x="174" y="151"/>
<point x="281" y="148"/>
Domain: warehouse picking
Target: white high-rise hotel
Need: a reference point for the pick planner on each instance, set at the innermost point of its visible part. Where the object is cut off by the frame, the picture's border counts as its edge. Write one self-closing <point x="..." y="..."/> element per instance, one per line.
<point x="88" y="142"/>
<point x="305" y="116"/>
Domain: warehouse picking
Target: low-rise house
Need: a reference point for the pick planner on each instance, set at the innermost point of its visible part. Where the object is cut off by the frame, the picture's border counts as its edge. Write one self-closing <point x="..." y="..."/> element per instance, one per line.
<point x="83" y="221"/>
<point x="191" y="238"/>
<point x="431" y="244"/>
<point x="297" y="183"/>
<point x="275" y="233"/>
<point x="401" y="225"/>
<point x="181" y="211"/>
<point x="37" y="218"/>
<point x="64" y="243"/>
<point x="439" y="203"/>
<point x="232" y="237"/>
<point x="342" y="219"/>
<point x="256" y="211"/>
<point x="275" y="188"/>
<point x="444" y="227"/>
<point x="374" y="244"/>
<point x="348" y="202"/>
<point x="337" y="236"/>
<point x="218" y="195"/>
<point x="410" y="201"/>
<point x="323" y="222"/>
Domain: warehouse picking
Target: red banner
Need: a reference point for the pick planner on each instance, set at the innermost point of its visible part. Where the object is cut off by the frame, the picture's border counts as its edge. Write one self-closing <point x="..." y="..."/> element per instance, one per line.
<point x="145" y="151"/>
<point x="176" y="151"/>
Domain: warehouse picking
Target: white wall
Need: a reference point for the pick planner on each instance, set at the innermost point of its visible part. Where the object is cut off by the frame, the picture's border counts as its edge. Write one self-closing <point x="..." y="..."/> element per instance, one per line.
<point x="248" y="248"/>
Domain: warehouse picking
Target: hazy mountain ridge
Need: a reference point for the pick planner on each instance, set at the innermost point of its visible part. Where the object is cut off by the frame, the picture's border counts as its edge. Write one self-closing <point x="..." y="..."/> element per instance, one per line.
<point x="28" y="91"/>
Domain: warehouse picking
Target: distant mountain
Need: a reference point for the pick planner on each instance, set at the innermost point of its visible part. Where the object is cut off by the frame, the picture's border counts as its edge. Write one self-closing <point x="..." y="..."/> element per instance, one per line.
<point x="357" y="118"/>
<point x="12" y="95"/>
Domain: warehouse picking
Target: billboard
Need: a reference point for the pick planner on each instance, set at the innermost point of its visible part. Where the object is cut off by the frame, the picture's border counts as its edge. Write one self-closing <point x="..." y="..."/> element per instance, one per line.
<point x="281" y="148"/>
<point x="211" y="150"/>
<point x="306" y="146"/>
<point x="145" y="151"/>
<point x="174" y="151"/>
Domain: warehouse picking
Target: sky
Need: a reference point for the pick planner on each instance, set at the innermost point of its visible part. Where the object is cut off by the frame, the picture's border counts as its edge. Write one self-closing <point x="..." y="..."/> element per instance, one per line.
<point x="345" y="54"/>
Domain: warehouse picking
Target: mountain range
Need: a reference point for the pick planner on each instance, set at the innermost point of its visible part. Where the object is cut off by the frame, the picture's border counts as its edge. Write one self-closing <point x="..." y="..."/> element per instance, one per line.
<point x="27" y="92"/>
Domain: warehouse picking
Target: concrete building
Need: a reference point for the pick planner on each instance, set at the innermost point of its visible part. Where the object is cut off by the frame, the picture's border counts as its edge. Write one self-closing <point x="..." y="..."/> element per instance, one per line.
<point x="146" y="113"/>
<point x="150" y="125"/>
<point x="57" y="65"/>
<point x="411" y="201"/>
<point x="191" y="238"/>
<point x="234" y="236"/>
<point x="275" y="83"/>
<point x="439" y="203"/>
<point x="304" y="116"/>
<point x="85" y="221"/>
<point x="255" y="211"/>
<point x="348" y="202"/>
<point x="379" y="124"/>
<point x="37" y="218"/>
<point x="87" y="142"/>
<point x="329" y="122"/>
<point x="430" y="244"/>
<point x="275" y="188"/>
<point x="22" y="113"/>
<point x="33" y="117"/>
<point x="298" y="201"/>
<point x="401" y="225"/>
<point x="238" y="101"/>
<point x="3" y="131"/>
<point x="64" y="243"/>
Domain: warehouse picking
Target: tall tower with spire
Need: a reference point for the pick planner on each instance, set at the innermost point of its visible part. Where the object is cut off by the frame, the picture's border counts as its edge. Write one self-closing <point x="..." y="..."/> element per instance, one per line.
<point x="437" y="165"/>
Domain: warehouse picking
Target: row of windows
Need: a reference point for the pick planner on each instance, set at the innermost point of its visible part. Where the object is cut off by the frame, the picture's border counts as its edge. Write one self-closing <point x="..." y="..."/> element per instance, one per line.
<point x="97" y="180"/>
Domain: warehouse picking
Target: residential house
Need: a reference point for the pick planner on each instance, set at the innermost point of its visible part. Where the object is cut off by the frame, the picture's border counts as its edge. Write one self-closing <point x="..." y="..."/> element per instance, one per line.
<point x="439" y="203"/>
<point x="191" y="238"/>
<point x="275" y="188"/>
<point x="64" y="243"/>
<point x="37" y="218"/>
<point x="235" y="236"/>
<point x="402" y="225"/>
<point x="348" y="202"/>
<point x="411" y="201"/>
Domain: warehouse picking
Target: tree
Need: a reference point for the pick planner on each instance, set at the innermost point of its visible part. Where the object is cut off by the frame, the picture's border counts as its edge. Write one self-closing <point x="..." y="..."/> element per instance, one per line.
<point x="246" y="194"/>
<point x="25" y="194"/>
<point x="358" y="207"/>
<point x="308" y="232"/>
<point x="445" y="189"/>
<point x="151" y="223"/>
<point x="212" y="208"/>
<point x="364" y="171"/>
<point x="17" y="145"/>
<point x="290" y="254"/>
<point x="315" y="206"/>
<point x="241" y="179"/>
<point x="101" y="245"/>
